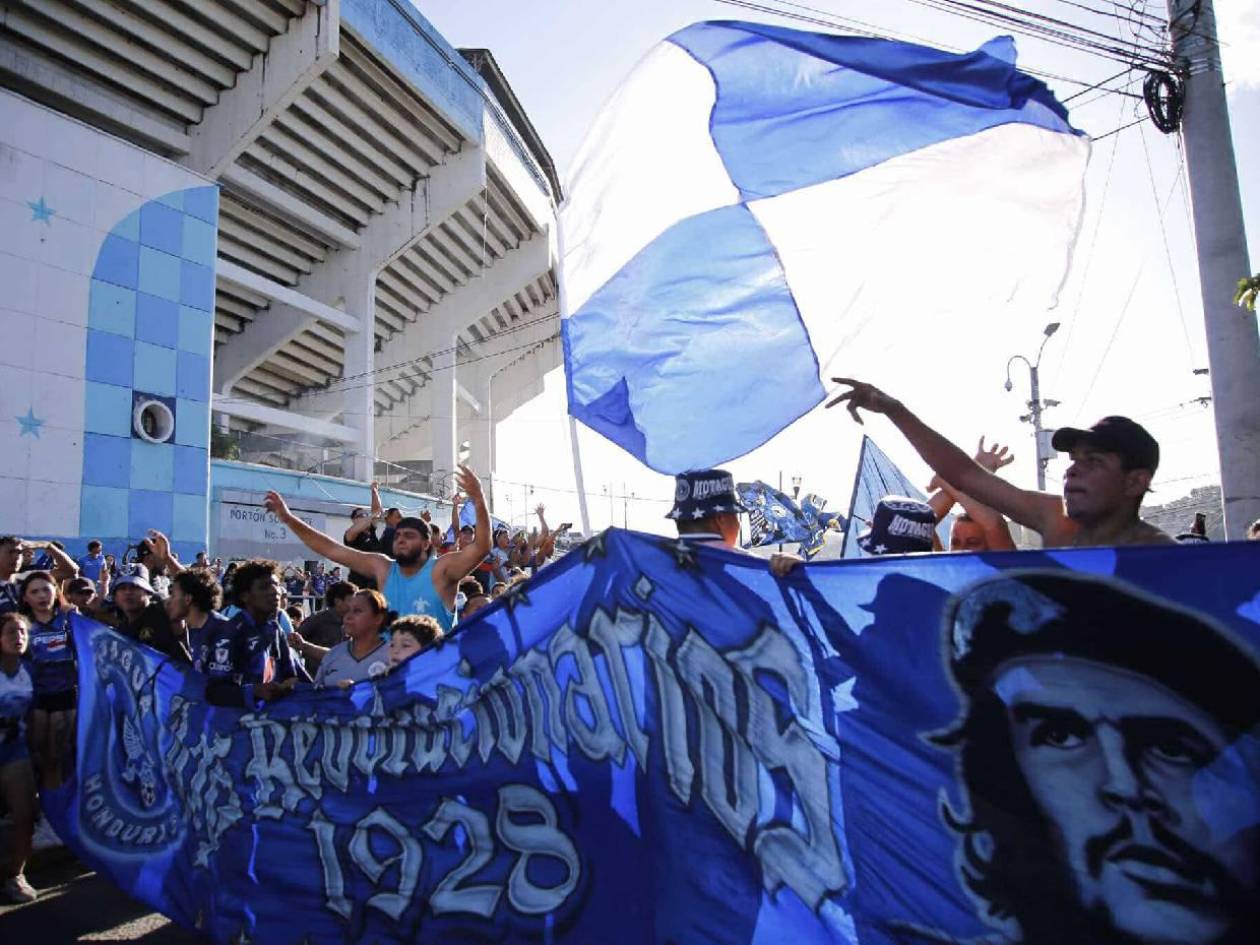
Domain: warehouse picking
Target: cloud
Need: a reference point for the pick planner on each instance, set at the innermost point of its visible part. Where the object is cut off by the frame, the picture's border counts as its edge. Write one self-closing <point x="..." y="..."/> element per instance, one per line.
<point x="1238" y="27"/>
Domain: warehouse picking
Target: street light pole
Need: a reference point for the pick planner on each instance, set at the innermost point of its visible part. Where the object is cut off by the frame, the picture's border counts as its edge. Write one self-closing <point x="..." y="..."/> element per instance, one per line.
<point x="1035" y="405"/>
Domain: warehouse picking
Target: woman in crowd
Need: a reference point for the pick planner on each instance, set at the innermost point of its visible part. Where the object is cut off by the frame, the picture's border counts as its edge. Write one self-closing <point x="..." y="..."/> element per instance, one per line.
<point x="53" y="671"/>
<point x="362" y="655"/>
<point x="17" y="780"/>
<point x="411" y="635"/>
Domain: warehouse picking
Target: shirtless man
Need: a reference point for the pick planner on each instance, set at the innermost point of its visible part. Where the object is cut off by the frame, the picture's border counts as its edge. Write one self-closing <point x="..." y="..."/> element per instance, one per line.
<point x="1111" y="470"/>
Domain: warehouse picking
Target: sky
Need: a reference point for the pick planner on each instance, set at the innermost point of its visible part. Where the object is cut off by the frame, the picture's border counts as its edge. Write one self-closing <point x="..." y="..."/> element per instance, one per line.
<point x="1131" y="331"/>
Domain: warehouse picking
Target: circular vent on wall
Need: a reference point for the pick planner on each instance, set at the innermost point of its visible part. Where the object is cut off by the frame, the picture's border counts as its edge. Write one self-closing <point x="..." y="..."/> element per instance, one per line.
<point x="153" y="421"/>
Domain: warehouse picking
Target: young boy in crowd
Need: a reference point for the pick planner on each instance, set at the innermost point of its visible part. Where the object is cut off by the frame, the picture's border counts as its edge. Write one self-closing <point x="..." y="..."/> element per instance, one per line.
<point x="411" y="635"/>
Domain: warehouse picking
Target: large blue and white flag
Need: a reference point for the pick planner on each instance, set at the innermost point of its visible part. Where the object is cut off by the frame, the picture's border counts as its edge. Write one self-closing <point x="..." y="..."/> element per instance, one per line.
<point x="756" y="204"/>
<point x="654" y="743"/>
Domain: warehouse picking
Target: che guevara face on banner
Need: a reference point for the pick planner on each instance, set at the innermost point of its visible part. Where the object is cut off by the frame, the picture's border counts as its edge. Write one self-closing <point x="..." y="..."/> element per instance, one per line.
<point x="1107" y="752"/>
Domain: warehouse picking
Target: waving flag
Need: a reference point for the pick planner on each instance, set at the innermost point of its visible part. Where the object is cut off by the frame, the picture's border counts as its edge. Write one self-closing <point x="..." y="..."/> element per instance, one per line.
<point x="754" y="199"/>
<point x="878" y="476"/>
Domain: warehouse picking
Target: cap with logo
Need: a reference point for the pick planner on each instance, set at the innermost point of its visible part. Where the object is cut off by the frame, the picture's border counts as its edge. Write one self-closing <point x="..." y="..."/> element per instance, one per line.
<point x="1120" y="435"/>
<point x="900" y="526"/>
<point x="136" y="574"/>
<point x="704" y="493"/>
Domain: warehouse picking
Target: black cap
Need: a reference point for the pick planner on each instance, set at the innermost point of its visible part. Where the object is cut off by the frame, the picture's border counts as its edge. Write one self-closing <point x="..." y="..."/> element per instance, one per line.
<point x="1118" y="435"/>
<point x="704" y="493"/>
<point x="900" y="526"/>
<point x="1056" y="613"/>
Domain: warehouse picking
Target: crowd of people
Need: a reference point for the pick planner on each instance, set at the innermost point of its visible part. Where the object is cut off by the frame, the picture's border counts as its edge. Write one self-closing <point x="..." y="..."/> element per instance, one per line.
<point x="247" y="629"/>
<point x="234" y="624"/>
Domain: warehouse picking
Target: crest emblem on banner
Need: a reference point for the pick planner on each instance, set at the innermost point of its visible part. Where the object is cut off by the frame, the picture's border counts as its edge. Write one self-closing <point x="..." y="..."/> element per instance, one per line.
<point x="126" y="804"/>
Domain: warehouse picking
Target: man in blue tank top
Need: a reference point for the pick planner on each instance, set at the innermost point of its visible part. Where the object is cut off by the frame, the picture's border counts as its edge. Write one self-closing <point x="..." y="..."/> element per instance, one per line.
<point x="415" y="580"/>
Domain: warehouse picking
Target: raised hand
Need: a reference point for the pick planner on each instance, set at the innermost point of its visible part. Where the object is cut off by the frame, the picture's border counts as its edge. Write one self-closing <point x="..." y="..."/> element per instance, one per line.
<point x="862" y="396"/>
<point x="993" y="457"/>
<point x="161" y="544"/>
<point x="277" y="506"/>
<point x="468" y="483"/>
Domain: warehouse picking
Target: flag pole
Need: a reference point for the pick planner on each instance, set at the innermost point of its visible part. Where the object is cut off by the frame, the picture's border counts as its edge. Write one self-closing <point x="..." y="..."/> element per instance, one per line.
<point x="562" y="299"/>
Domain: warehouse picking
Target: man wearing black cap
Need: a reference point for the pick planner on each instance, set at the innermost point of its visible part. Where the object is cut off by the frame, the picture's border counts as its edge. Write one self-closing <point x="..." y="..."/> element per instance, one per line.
<point x="1112" y="464"/>
<point x="706" y="510"/>
<point x="1107" y="752"/>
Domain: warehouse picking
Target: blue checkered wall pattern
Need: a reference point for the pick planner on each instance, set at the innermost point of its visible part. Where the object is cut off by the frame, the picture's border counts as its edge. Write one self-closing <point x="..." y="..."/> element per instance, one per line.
<point x="151" y="330"/>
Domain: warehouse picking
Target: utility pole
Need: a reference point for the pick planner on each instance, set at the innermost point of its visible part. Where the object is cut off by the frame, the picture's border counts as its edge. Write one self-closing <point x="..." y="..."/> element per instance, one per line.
<point x="1233" y="342"/>
<point x="1035" y="404"/>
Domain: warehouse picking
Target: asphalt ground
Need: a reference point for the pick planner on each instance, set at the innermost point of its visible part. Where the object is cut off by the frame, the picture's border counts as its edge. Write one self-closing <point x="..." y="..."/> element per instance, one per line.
<point x="77" y="905"/>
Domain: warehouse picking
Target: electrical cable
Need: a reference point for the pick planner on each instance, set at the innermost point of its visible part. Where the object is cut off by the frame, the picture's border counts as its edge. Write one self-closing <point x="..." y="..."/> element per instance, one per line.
<point x="1163" y="232"/>
<point x="874" y="31"/>
<point x="1116" y="131"/>
<point x="339" y="385"/>
<point x="1089" y="258"/>
<point x="1164" y="94"/>
<point x="992" y="16"/>
<point x="1112" y="340"/>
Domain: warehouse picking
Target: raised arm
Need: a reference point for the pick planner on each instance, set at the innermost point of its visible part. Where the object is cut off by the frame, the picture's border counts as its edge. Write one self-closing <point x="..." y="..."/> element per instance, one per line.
<point x="1037" y="510"/>
<point x="456" y="501"/>
<point x="365" y="562"/>
<point x="63" y="568"/>
<point x="542" y="522"/>
<point x="453" y="566"/>
<point x="162" y="551"/>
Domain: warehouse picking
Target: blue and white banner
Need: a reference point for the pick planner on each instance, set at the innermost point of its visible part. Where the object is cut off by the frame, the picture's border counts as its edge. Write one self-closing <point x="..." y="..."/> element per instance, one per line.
<point x="760" y="208"/>
<point x="655" y="742"/>
<point x="877" y="477"/>
<point x="775" y="518"/>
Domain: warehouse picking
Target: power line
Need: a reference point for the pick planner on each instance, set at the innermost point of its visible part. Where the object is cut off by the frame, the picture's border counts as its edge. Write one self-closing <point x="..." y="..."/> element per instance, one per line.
<point x="1005" y="16"/>
<point x="1117" y="131"/>
<point x="1111" y="13"/>
<point x="340" y="386"/>
<point x="1163" y="232"/>
<point x="1089" y="258"/>
<point x="1115" y="331"/>
<point x="818" y="17"/>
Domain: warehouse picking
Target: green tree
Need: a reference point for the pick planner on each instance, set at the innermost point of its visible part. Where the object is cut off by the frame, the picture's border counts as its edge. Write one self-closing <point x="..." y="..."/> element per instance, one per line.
<point x="224" y="445"/>
<point x="1248" y="293"/>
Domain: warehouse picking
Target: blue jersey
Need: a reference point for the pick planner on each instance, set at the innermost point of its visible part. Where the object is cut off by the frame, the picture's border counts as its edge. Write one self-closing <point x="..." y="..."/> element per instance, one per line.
<point x="17" y="692"/>
<point x="8" y="597"/>
<point x="90" y="566"/>
<point x="52" y="655"/>
<point x="215" y="650"/>
<point x="264" y="652"/>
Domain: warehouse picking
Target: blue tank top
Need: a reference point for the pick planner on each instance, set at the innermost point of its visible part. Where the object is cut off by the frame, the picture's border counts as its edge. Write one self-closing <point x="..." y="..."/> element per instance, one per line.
<point x="416" y="594"/>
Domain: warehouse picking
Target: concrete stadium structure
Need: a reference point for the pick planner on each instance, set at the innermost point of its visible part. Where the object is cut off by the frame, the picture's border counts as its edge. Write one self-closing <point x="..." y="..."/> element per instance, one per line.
<point x="384" y="275"/>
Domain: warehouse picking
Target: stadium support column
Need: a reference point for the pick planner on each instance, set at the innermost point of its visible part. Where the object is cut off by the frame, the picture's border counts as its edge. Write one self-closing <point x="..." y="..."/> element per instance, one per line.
<point x="481" y="436"/>
<point x="442" y="414"/>
<point x="358" y="380"/>
<point x="1232" y="338"/>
